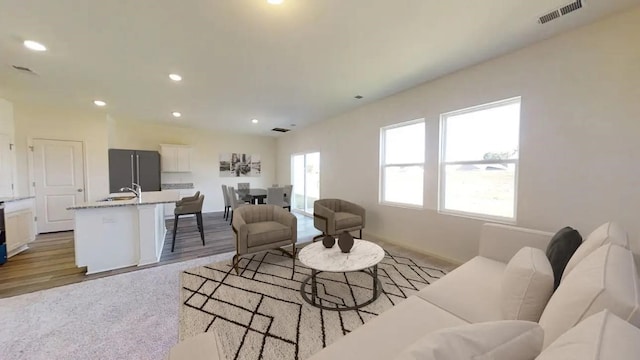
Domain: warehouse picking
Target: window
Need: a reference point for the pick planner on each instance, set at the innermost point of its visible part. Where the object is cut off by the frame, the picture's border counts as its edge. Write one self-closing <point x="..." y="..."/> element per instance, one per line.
<point x="402" y="163"/>
<point x="479" y="160"/>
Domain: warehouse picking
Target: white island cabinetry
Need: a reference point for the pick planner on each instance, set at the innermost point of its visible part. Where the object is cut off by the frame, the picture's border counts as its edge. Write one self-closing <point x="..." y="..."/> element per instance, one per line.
<point x="115" y="234"/>
<point x="19" y="218"/>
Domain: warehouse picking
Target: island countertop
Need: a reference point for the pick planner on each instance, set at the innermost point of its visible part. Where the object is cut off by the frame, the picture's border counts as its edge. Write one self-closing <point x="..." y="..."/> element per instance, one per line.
<point x="148" y="198"/>
<point x="15" y="198"/>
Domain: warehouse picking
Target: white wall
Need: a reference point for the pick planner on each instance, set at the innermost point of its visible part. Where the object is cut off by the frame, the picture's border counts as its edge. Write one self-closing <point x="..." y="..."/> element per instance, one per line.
<point x="207" y="146"/>
<point x="90" y="127"/>
<point x="7" y="127"/>
<point x="579" y="152"/>
<point x="6" y="118"/>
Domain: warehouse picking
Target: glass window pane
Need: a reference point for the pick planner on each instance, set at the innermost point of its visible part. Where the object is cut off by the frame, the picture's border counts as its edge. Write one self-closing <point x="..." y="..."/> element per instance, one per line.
<point x="481" y="189"/>
<point x="298" y="182"/>
<point x="403" y="184"/>
<point x="404" y="144"/>
<point x="483" y="135"/>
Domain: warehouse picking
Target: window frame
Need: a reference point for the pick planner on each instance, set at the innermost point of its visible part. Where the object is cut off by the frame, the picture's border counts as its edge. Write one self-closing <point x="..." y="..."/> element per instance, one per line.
<point x="443" y="164"/>
<point x="383" y="166"/>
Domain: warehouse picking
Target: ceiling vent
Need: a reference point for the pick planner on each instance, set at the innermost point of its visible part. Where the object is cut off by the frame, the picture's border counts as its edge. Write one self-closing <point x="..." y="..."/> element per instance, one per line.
<point x="23" y="69"/>
<point x="564" y="10"/>
<point x="280" y="130"/>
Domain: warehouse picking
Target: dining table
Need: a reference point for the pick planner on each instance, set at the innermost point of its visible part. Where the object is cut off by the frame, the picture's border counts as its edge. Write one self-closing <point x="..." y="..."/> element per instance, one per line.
<point x="254" y="196"/>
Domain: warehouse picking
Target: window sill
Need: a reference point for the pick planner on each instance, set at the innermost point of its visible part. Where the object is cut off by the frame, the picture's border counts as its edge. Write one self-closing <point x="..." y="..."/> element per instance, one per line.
<point x="401" y="205"/>
<point x="479" y="217"/>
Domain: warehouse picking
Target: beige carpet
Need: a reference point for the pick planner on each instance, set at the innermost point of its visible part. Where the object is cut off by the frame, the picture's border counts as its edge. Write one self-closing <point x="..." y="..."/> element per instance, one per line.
<point x="128" y="316"/>
<point x="261" y="314"/>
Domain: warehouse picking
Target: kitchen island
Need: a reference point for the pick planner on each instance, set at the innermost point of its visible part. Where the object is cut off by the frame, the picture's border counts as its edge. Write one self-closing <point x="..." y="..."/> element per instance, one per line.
<point x="120" y="233"/>
<point x="19" y="223"/>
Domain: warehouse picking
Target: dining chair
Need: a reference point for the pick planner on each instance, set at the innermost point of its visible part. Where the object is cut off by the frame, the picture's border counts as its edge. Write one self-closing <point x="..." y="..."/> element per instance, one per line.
<point x="233" y="201"/>
<point x="227" y="204"/>
<point x="275" y="196"/>
<point x="244" y="186"/>
<point x="188" y="206"/>
<point x="288" y="192"/>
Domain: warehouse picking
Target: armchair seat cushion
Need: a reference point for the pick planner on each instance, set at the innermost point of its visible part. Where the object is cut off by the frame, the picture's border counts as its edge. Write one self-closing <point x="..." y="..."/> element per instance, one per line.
<point x="266" y="232"/>
<point x="346" y="220"/>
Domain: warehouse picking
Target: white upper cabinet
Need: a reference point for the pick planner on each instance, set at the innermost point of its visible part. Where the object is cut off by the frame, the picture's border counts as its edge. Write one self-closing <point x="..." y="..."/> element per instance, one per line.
<point x="175" y="158"/>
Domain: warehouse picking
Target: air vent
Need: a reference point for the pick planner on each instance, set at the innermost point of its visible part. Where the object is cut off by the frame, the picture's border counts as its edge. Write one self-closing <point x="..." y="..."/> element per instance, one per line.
<point x="280" y="130"/>
<point x="23" y="69"/>
<point x="564" y="10"/>
<point x="548" y="17"/>
<point x="571" y="7"/>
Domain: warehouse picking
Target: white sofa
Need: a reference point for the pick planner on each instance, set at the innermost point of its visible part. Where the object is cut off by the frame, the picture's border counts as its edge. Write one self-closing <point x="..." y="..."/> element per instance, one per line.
<point x="473" y="293"/>
<point x="602" y="276"/>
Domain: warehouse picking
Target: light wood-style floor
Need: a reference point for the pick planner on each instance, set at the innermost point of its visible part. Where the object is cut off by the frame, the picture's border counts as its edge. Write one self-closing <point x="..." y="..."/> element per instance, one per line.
<point x="50" y="261"/>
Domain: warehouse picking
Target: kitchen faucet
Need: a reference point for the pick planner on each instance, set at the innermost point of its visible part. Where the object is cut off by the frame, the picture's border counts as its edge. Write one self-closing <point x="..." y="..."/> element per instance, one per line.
<point x="137" y="190"/>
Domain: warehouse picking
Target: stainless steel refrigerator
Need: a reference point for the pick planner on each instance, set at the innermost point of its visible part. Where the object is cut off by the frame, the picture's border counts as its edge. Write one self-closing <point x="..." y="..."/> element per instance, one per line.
<point x="134" y="166"/>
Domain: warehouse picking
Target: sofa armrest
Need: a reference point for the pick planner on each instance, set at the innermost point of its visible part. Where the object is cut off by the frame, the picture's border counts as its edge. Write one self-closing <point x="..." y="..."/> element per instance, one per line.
<point x="287" y="219"/>
<point x="205" y="346"/>
<point x="501" y="242"/>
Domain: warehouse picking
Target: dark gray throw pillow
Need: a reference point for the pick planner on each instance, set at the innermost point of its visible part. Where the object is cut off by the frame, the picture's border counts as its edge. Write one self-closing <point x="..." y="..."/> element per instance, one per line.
<point x="562" y="246"/>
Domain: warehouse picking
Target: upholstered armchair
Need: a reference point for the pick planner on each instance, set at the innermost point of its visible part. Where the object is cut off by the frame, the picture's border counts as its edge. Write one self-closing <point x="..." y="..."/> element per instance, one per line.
<point x="335" y="216"/>
<point x="263" y="227"/>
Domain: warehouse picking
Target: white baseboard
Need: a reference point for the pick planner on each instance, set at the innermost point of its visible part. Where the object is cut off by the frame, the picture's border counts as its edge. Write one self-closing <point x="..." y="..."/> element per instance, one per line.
<point x="412" y="248"/>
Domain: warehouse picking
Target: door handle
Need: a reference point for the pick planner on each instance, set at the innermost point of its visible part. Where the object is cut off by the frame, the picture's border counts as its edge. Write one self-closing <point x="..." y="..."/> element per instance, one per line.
<point x="80" y="190"/>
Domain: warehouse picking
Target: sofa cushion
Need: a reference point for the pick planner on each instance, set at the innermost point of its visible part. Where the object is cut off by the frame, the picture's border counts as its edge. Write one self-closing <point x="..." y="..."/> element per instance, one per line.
<point x="499" y="340"/>
<point x="527" y="285"/>
<point x="391" y="332"/>
<point x="347" y="220"/>
<point x="607" y="233"/>
<point x="471" y="291"/>
<point x="602" y="336"/>
<point x="562" y="246"/>
<point x="266" y="232"/>
<point x="606" y="279"/>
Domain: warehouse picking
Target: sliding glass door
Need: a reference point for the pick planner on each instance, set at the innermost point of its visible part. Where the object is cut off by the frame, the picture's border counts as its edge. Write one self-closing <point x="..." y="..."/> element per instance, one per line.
<point x="305" y="174"/>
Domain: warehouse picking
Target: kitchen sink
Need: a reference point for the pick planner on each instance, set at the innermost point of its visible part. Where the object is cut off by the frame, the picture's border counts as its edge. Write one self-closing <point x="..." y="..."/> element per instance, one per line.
<point x="116" y="198"/>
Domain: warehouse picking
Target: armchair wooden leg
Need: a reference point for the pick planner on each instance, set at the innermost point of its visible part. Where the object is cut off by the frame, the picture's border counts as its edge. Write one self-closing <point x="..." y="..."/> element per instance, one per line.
<point x="293" y="255"/>
<point x="235" y="261"/>
<point x="360" y="234"/>
<point x="315" y="238"/>
<point x="200" y="226"/>
<point x="175" y="228"/>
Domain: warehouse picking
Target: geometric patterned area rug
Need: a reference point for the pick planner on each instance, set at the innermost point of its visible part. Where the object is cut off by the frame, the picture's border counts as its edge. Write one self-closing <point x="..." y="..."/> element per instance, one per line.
<point x="260" y="314"/>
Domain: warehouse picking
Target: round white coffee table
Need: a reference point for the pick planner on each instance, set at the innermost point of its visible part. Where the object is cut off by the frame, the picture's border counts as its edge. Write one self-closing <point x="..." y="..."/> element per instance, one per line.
<point x="364" y="256"/>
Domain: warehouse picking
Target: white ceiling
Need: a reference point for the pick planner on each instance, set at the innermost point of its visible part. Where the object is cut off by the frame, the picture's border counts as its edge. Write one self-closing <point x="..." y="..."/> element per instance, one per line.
<point x="296" y="63"/>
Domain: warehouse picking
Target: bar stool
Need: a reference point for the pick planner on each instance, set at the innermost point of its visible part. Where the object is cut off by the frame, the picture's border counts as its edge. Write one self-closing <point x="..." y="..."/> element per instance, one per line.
<point x="191" y="205"/>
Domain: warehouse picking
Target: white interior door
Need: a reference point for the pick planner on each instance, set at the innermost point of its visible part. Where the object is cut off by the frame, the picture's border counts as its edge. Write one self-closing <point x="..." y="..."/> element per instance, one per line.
<point x="6" y="173"/>
<point x="58" y="170"/>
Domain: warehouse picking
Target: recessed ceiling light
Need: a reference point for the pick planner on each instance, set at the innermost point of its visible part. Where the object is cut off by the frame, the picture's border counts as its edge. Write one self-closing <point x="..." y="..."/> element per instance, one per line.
<point x="34" y="45"/>
<point x="175" y="77"/>
<point x="99" y="103"/>
<point x="358" y="97"/>
<point x="176" y="114"/>
<point x="255" y="121"/>
<point x="275" y="2"/>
